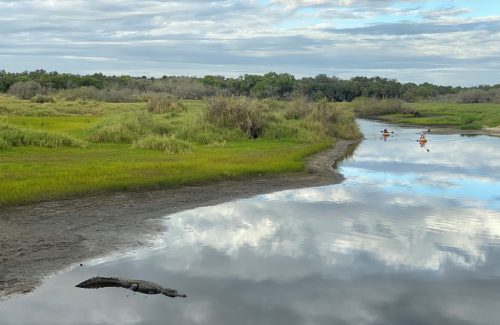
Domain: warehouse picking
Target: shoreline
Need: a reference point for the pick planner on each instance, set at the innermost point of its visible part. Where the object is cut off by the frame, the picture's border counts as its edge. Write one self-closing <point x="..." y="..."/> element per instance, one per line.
<point x="38" y="240"/>
<point x="444" y="128"/>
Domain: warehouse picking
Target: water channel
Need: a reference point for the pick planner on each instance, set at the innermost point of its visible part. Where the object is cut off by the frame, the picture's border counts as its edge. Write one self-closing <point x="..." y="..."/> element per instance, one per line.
<point x="411" y="237"/>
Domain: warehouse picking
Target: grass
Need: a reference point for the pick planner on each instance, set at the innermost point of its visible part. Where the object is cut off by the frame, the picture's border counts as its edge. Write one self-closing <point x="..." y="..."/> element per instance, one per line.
<point x="12" y="106"/>
<point x="161" y="149"/>
<point x="465" y="116"/>
<point x="18" y="137"/>
<point x="77" y="126"/>
<point x="164" y="143"/>
<point x="30" y="174"/>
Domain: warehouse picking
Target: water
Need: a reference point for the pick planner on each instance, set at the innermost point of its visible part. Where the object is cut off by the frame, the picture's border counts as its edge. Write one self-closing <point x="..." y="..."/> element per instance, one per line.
<point x="412" y="237"/>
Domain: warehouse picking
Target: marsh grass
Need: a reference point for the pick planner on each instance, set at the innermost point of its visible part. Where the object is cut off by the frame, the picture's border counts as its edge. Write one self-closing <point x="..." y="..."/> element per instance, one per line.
<point x="324" y="118"/>
<point x="40" y="99"/>
<point x="128" y="127"/>
<point x="133" y="148"/>
<point x="31" y="174"/>
<point x="297" y="120"/>
<point x="75" y="126"/>
<point x="4" y="144"/>
<point x="240" y="113"/>
<point x="16" y="136"/>
<point x="169" y="144"/>
<point x="12" y="106"/>
<point x="465" y="116"/>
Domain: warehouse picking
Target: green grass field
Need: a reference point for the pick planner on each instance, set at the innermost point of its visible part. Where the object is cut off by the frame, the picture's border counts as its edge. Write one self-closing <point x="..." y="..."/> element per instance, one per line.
<point x="464" y="116"/>
<point x="45" y="171"/>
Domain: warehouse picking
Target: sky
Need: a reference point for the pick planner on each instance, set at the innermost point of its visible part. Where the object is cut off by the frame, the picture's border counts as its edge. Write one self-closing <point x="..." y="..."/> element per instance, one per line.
<point x="446" y="42"/>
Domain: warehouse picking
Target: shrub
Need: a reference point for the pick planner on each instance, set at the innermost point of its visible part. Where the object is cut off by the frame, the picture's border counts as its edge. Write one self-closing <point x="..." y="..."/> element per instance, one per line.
<point x="476" y="96"/>
<point x="164" y="143"/>
<point x="17" y="137"/>
<point x="237" y="113"/>
<point x="161" y="103"/>
<point x="370" y="107"/>
<point x="128" y="127"/>
<point x="25" y="89"/>
<point x="40" y="99"/>
<point x="104" y="95"/>
<point x="181" y="87"/>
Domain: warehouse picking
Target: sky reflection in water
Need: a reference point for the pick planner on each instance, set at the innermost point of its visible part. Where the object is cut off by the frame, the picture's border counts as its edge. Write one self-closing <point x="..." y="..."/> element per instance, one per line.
<point x="411" y="237"/>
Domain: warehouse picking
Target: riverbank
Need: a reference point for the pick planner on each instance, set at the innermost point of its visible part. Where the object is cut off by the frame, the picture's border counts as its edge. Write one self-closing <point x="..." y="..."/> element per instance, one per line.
<point x="482" y="118"/>
<point x="39" y="239"/>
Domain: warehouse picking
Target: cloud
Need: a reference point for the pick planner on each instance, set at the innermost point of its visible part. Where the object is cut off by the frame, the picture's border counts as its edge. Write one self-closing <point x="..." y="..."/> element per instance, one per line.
<point x="296" y="4"/>
<point x="397" y="39"/>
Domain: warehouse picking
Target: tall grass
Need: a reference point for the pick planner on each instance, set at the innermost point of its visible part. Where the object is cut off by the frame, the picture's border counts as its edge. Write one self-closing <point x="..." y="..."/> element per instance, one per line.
<point x="237" y="113"/>
<point x="162" y="103"/>
<point x="297" y="120"/>
<point x="128" y="127"/>
<point x="200" y="131"/>
<point x="16" y="136"/>
<point x="40" y="99"/>
<point x="4" y="144"/>
<point x="169" y="144"/>
<point x="333" y="120"/>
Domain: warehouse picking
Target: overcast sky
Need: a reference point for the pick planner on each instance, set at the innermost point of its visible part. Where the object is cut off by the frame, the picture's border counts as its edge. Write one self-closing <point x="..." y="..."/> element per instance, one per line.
<point x="443" y="41"/>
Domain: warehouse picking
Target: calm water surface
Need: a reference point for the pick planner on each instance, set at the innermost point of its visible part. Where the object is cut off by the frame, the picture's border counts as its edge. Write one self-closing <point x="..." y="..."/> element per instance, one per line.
<point x="412" y="237"/>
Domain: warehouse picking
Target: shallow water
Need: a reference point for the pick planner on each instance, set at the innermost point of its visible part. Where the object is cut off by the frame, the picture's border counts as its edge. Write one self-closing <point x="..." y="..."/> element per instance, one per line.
<point x="412" y="236"/>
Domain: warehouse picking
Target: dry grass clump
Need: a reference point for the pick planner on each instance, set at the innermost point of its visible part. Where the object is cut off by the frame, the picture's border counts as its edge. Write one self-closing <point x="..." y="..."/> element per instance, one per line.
<point x="334" y="120"/>
<point x="40" y="99"/>
<point x="161" y="104"/>
<point x="240" y="113"/>
<point x="297" y="109"/>
<point x="169" y="144"/>
<point x="323" y="118"/>
<point x="11" y="135"/>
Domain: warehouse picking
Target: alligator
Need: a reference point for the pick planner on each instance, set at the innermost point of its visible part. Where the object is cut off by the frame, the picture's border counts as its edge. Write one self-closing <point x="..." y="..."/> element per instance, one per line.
<point x="141" y="286"/>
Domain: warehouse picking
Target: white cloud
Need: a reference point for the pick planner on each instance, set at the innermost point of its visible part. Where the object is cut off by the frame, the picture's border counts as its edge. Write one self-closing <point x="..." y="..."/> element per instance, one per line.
<point x="232" y="37"/>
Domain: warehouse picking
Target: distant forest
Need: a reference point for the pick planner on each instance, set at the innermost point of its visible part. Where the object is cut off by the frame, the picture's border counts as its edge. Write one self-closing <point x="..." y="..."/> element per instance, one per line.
<point x="270" y="85"/>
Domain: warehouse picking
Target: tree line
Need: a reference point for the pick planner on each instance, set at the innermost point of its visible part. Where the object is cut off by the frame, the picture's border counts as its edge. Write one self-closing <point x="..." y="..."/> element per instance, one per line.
<point x="269" y="85"/>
